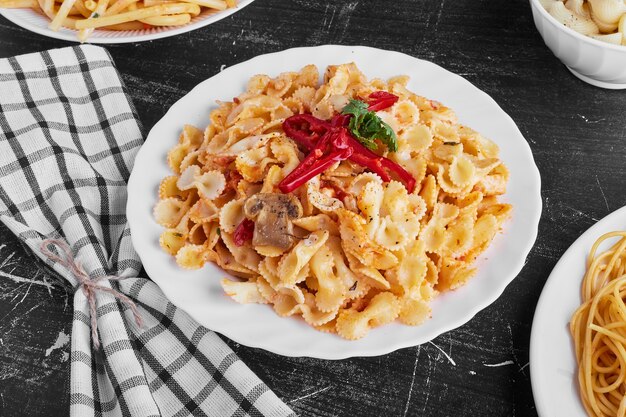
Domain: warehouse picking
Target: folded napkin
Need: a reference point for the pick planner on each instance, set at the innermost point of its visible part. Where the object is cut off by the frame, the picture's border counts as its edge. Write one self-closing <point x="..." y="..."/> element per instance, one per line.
<point x="68" y="138"/>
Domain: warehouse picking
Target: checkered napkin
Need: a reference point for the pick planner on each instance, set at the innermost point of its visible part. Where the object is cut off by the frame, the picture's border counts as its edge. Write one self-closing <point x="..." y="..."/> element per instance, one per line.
<point x="68" y="137"/>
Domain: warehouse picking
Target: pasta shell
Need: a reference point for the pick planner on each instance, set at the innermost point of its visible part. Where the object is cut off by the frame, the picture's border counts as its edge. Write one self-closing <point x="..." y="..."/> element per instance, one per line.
<point x="578" y="23"/>
<point x="606" y="13"/>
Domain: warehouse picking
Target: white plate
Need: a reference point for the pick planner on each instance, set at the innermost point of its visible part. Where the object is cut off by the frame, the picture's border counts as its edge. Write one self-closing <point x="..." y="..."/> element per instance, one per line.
<point x="552" y="361"/>
<point x="199" y="292"/>
<point x="37" y="22"/>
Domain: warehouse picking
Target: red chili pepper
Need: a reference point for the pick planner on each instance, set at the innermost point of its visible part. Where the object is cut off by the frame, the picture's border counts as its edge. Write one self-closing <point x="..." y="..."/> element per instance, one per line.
<point x="243" y="232"/>
<point x="329" y="149"/>
<point x="147" y="26"/>
<point x="305" y="129"/>
<point x="379" y="164"/>
<point x="359" y="154"/>
<point x="380" y="100"/>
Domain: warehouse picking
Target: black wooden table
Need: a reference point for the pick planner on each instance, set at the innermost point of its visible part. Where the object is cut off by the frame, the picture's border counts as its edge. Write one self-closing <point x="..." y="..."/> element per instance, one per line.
<point x="576" y="132"/>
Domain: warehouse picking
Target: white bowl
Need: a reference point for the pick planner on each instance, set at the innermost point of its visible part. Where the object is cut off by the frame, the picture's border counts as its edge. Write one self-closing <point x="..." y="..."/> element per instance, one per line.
<point x="595" y="62"/>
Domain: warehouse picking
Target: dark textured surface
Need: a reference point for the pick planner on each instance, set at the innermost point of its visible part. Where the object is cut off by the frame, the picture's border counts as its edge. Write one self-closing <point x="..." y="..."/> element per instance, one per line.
<point x="576" y="133"/>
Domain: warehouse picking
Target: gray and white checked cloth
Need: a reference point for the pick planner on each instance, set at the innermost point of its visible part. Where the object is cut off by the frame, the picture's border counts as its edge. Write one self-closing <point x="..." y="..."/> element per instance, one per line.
<point x="68" y="137"/>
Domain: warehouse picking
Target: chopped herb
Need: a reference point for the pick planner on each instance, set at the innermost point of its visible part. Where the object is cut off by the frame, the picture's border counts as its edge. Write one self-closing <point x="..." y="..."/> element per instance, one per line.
<point x="178" y="235"/>
<point x="353" y="287"/>
<point x="95" y="15"/>
<point x="451" y="143"/>
<point x="366" y="126"/>
<point x="219" y="232"/>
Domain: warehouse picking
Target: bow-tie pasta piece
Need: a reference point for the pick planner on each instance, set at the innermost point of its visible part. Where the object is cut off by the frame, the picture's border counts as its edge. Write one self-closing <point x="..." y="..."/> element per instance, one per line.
<point x="357" y="243"/>
<point x="243" y="292"/>
<point x="434" y="233"/>
<point x="194" y="256"/>
<point x="169" y="211"/>
<point x="477" y="145"/>
<point x="279" y="86"/>
<point x="248" y="143"/>
<point x="414" y="312"/>
<point x="245" y="254"/>
<point x="321" y="201"/>
<point x="454" y="274"/>
<point x="226" y="260"/>
<point x="286" y="152"/>
<point x="272" y="179"/>
<point x="220" y="142"/>
<point x="209" y="184"/>
<point x="495" y="182"/>
<point x="231" y="215"/>
<point x="260" y="106"/>
<point x="312" y="314"/>
<point x="406" y="114"/>
<point x="411" y="271"/>
<point x="288" y="301"/>
<point x="190" y="139"/>
<point x="306" y="96"/>
<point x="417" y="138"/>
<point x="330" y="287"/>
<point x="382" y="309"/>
<point x="361" y="180"/>
<point x="356" y="287"/>
<point x="318" y="222"/>
<point x="296" y="259"/>
<point x="168" y="188"/>
<point x="203" y="211"/>
<point x="429" y="192"/>
<point x="254" y="163"/>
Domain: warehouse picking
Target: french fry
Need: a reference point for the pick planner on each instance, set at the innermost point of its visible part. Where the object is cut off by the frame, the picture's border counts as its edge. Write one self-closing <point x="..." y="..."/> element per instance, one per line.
<point x="212" y="4"/>
<point x="17" y="4"/>
<point x="119" y="6"/>
<point x="164" y="9"/>
<point x="168" y="20"/>
<point x="84" y="33"/>
<point x="136" y="25"/>
<point x="80" y="5"/>
<point x="67" y="22"/>
<point x="61" y="14"/>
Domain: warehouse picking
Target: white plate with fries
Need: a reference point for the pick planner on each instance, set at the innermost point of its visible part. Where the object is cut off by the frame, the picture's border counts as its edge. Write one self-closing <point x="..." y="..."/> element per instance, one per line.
<point x="121" y="21"/>
<point x="199" y="291"/>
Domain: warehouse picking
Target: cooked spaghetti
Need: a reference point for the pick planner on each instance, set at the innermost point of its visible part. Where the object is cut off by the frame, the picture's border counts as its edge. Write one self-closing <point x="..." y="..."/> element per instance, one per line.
<point x="599" y="331"/>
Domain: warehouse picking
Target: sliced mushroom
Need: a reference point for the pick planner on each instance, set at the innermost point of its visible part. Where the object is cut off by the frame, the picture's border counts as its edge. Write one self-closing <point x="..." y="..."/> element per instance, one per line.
<point x="272" y="214"/>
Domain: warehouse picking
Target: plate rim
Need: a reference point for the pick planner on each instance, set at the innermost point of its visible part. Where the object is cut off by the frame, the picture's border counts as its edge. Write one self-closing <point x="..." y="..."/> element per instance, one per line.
<point x="175" y="30"/>
<point x="535" y="346"/>
<point x="453" y="324"/>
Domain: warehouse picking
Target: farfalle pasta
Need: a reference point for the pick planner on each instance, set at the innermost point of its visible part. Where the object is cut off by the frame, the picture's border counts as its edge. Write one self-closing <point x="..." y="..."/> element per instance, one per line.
<point x="351" y="202"/>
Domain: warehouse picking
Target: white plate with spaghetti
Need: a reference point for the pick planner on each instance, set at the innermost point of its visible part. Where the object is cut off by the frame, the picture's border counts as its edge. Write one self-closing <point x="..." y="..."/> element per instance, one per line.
<point x="184" y="16"/>
<point x="199" y="291"/>
<point x="553" y="365"/>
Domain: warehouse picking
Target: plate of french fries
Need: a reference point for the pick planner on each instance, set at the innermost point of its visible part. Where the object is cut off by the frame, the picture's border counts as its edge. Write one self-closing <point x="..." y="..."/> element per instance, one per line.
<point x="116" y="21"/>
